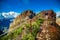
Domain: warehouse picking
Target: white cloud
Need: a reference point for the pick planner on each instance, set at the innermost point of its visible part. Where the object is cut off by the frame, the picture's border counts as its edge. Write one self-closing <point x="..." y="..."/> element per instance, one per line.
<point x="58" y="13"/>
<point x="10" y="14"/>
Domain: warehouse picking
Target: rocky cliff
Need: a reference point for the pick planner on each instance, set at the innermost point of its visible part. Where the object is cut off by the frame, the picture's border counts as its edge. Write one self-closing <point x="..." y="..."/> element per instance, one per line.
<point x="23" y="17"/>
<point x="49" y="28"/>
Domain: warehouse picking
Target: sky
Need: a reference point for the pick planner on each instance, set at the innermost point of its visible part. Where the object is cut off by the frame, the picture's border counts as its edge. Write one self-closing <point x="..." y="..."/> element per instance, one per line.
<point x="35" y="5"/>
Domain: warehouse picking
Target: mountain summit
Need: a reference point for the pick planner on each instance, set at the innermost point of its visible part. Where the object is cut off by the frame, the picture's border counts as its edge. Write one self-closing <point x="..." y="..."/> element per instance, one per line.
<point x="49" y="27"/>
<point x="24" y="16"/>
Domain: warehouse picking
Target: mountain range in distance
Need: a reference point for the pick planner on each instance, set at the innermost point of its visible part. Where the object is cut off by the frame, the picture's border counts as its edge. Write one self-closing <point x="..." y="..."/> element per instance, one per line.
<point x="6" y="19"/>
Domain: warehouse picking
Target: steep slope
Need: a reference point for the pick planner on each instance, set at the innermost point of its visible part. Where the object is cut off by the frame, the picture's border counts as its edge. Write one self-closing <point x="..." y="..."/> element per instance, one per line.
<point x="22" y="18"/>
<point x="49" y="29"/>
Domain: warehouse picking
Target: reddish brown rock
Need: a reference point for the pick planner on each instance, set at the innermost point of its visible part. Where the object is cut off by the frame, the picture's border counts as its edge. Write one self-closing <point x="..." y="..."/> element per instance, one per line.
<point x="49" y="28"/>
<point x="23" y="17"/>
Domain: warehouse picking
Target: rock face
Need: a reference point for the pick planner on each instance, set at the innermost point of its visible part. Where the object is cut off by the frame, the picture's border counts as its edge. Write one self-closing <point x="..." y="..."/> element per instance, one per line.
<point x="24" y="16"/>
<point x="49" y="29"/>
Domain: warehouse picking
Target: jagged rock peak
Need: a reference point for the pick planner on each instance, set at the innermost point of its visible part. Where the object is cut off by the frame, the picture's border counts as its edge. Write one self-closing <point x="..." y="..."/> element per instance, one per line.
<point x="49" y="29"/>
<point x="50" y="12"/>
<point x="28" y="13"/>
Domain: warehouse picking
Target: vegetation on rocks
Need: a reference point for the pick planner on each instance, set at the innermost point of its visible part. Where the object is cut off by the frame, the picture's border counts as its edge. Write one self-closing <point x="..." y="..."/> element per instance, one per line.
<point x="30" y="34"/>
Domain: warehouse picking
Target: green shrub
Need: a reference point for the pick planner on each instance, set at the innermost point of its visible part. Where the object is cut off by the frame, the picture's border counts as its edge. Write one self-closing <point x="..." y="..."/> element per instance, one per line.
<point x="29" y="36"/>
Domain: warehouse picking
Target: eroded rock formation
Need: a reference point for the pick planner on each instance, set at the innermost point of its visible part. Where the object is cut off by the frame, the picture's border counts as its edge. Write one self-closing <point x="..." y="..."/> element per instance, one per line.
<point x="49" y="29"/>
<point x="23" y="17"/>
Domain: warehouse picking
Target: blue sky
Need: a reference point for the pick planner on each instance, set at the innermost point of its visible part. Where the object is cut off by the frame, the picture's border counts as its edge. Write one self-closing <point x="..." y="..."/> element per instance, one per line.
<point x="35" y="5"/>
